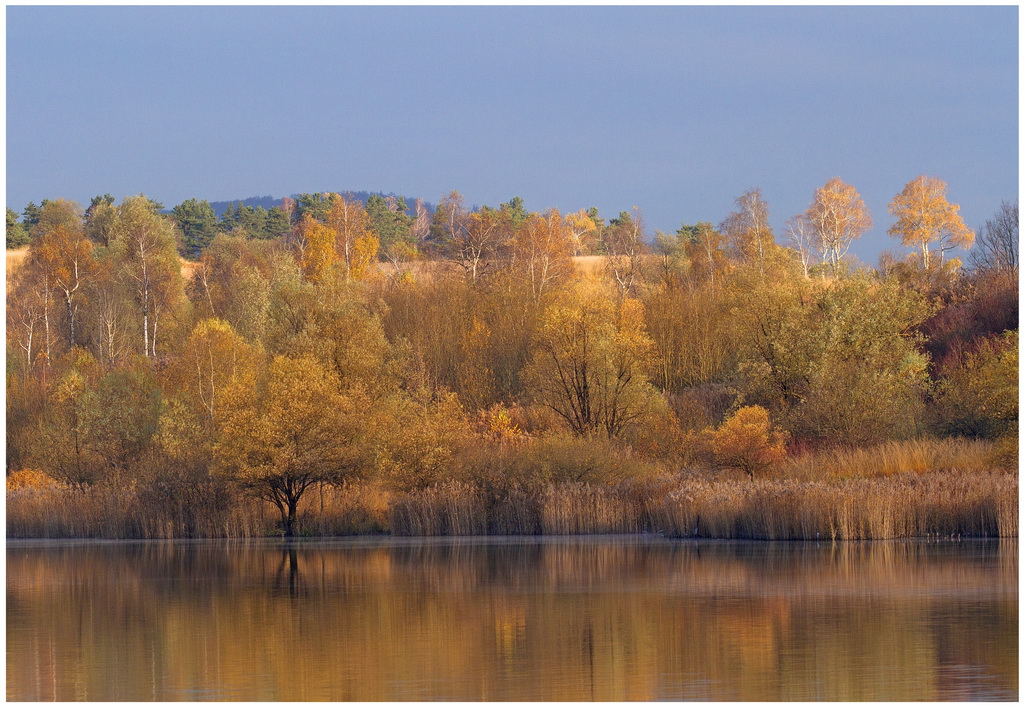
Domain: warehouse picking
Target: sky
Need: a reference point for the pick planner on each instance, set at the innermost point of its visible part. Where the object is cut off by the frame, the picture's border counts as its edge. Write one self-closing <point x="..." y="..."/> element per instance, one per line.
<point x="674" y="110"/>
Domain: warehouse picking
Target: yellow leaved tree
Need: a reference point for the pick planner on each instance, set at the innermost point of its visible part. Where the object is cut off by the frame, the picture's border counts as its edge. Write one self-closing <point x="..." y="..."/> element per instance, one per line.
<point x="746" y="441"/>
<point x="925" y="218"/>
<point x="837" y="216"/>
<point x="591" y="360"/>
<point x="290" y="431"/>
<point x="318" y="255"/>
<point x="212" y="359"/>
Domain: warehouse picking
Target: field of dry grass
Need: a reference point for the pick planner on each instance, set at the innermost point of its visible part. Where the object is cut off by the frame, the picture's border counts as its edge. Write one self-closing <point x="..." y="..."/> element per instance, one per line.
<point x="588" y="265"/>
<point x="15" y="257"/>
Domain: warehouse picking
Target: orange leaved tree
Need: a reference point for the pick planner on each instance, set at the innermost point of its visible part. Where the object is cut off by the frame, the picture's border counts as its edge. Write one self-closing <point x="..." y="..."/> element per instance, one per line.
<point x="746" y="441"/>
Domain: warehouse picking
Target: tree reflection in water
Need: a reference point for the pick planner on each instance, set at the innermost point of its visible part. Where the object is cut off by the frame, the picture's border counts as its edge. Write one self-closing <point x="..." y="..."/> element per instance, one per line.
<point x="615" y="618"/>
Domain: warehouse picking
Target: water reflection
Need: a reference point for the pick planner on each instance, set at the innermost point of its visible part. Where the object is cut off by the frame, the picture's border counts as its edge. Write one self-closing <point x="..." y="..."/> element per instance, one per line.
<point x="523" y="619"/>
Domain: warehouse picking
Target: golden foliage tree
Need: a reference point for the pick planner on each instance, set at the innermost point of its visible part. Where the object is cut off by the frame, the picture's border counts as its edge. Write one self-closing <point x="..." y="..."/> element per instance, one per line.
<point x="838" y="216"/>
<point x="623" y="241"/>
<point x="542" y="252"/>
<point x="292" y="430"/>
<point x="66" y="257"/>
<point x="29" y="305"/>
<point x="318" y="256"/>
<point x="143" y="246"/>
<point x="705" y="254"/>
<point x="747" y="229"/>
<point x="925" y="218"/>
<point x="582" y="231"/>
<point x="590" y="361"/>
<point x="213" y="358"/>
<point x="353" y="235"/>
<point x="475" y="241"/>
<point x="363" y="255"/>
<point x="747" y="441"/>
<point x="414" y="437"/>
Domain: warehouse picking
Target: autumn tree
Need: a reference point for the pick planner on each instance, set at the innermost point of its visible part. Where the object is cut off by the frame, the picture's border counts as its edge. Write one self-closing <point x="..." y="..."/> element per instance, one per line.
<point x="582" y="231"/>
<point x="838" y="216"/>
<point x="58" y="443"/>
<point x="473" y="242"/>
<point x="670" y="250"/>
<point x="704" y="249"/>
<point x="747" y="441"/>
<point x="111" y="333"/>
<point x="99" y="219"/>
<point x="355" y="243"/>
<point x="747" y="229"/>
<point x="119" y="416"/>
<point x="413" y="438"/>
<point x="801" y="238"/>
<point x="318" y="256"/>
<point x="773" y="322"/>
<point x="30" y="292"/>
<point x="623" y="242"/>
<point x="978" y="397"/>
<point x="838" y="362"/>
<point x="144" y="247"/>
<point x="66" y="257"/>
<point x="53" y="213"/>
<point x="213" y="358"/>
<point x="331" y="322"/>
<point x="693" y="334"/>
<point x="925" y="219"/>
<point x="95" y="424"/>
<point x="542" y="252"/>
<point x="450" y="221"/>
<point x="457" y="335"/>
<point x="232" y="281"/>
<point x="291" y="430"/>
<point x="590" y="361"/>
<point x="419" y="228"/>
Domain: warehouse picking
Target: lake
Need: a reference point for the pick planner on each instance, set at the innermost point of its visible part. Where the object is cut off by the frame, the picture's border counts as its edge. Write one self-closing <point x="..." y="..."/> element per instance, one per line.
<point x="528" y="619"/>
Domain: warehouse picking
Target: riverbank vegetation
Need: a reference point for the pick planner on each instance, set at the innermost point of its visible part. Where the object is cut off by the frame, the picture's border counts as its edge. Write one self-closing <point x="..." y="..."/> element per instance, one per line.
<point x="335" y="367"/>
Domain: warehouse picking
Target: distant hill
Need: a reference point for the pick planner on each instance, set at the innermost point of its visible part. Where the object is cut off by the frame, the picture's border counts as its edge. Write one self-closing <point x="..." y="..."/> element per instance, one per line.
<point x="269" y="201"/>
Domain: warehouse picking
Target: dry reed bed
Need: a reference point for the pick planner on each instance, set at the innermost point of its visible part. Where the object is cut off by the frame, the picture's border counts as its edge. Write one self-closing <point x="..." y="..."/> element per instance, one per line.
<point x="922" y="456"/>
<point x="903" y="505"/>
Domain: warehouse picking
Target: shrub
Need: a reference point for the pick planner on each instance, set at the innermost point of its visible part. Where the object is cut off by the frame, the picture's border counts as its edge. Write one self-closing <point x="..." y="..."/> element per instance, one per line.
<point x="978" y="398"/>
<point x="746" y="441"/>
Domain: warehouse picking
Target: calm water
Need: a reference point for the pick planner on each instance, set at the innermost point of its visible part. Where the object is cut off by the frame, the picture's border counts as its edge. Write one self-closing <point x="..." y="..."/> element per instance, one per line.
<point x="605" y="618"/>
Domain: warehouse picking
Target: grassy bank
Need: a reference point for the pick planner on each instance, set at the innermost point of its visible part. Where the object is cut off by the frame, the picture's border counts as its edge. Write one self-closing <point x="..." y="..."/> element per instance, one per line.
<point x="897" y="490"/>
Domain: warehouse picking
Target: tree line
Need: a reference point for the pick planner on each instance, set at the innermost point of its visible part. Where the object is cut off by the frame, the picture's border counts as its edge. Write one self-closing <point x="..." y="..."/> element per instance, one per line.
<point x="325" y="340"/>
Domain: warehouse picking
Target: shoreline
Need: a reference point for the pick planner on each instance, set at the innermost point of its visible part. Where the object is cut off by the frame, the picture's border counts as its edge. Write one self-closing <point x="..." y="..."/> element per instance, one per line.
<point x="933" y="505"/>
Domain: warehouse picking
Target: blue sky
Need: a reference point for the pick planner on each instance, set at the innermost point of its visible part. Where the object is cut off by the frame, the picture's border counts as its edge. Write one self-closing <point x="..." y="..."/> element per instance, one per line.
<point x="675" y="110"/>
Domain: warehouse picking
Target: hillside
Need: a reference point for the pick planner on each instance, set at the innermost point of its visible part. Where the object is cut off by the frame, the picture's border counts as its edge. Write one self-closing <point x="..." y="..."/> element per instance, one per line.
<point x="268" y="201"/>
